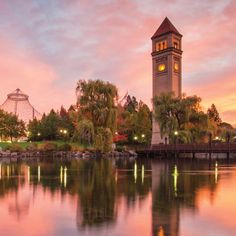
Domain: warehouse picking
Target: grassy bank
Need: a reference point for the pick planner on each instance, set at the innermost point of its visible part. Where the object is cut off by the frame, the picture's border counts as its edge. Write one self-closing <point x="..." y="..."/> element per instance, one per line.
<point x="39" y="145"/>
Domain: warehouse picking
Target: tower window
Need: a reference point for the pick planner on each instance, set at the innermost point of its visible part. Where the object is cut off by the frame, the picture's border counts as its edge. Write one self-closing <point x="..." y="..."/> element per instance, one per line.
<point x="176" y="45"/>
<point x="161" y="67"/>
<point x="161" y="45"/>
<point x="176" y="66"/>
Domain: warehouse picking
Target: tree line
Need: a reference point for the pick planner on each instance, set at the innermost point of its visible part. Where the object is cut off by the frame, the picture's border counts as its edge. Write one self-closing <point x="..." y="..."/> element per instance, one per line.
<point x="99" y="119"/>
<point x="182" y="118"/>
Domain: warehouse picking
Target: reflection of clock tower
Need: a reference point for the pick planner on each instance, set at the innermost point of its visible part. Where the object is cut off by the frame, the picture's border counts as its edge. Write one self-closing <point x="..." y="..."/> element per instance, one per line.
<point x="166" y="66"/>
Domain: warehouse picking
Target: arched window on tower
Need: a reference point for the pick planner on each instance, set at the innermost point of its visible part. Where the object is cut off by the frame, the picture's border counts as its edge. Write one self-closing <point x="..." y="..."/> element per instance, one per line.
<point x="161" y="45"/>
<point x="176" y="44"/>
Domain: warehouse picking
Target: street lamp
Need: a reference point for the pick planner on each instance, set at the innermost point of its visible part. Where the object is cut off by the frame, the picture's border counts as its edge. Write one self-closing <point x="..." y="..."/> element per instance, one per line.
<point x="176" y="134"/>
<point x="65" y="131"/>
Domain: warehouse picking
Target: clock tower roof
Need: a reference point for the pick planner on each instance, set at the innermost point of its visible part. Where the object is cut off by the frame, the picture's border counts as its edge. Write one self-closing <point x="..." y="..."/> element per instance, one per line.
<point x="165" y="28"/>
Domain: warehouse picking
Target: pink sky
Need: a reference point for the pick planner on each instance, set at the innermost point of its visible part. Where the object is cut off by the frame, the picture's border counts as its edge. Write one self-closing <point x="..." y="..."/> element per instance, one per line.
<point x="47" y="46"/>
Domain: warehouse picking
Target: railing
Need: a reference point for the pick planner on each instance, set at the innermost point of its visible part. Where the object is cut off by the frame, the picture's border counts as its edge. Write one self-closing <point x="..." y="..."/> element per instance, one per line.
<point x="213" y="147"/>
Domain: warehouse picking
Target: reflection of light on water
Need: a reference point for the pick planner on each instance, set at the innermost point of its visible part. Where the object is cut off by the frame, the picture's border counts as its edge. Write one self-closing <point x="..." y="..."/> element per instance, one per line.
<point x="8" y="171"/>
<point x="142" y="174"/>
<point x="65" y="177"/>
<point x="116" y="175"/>
<point x="175" y="176"/>
<point x="39" y="173"/>
<point x="61" y="175"/>
<point x="160" y="231"/>
<point x="216" y="172"/>
<point x="28" y="174"/>
<point x="135" y="172"/>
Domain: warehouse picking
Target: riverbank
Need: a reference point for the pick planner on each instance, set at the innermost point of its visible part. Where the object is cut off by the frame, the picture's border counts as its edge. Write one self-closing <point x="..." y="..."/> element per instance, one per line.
<point x="64" y="154"/>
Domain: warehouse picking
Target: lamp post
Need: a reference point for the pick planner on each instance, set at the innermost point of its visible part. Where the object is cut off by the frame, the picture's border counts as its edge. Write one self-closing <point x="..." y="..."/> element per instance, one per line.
<point x="176" y="133"/>
<point x="63" y="133"/>
<point x="176" y="137"/>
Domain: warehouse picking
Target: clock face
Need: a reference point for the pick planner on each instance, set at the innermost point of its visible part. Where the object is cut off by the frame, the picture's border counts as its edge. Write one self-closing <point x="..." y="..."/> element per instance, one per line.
<point x="176" y="66"/>
<point x="161" y="67"/>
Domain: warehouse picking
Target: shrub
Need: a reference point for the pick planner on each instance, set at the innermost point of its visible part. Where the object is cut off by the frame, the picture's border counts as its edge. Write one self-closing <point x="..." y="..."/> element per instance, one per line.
<point x="120" y="149"/>
<point x="14" y="148"/>
<point x="32" y="147"/>
<point x="49" y="146"/>
<point x="65" y="147"/>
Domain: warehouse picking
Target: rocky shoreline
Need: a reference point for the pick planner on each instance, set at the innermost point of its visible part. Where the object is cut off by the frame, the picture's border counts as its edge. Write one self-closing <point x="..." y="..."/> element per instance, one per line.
<point x="65" y="154"/>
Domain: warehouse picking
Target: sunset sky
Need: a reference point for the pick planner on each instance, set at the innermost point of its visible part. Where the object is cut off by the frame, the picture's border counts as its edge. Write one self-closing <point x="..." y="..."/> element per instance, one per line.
<point x="47" y="46"/>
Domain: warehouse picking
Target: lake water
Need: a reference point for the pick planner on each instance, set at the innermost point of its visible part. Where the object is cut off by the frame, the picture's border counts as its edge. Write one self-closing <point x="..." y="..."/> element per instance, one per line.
<point x="118" y="197"/>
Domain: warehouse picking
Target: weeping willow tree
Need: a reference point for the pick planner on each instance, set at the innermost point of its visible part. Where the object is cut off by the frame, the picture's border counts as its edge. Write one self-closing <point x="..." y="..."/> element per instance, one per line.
<point x="84" y="133"/>
<point x="181" y="114"/>
<point x="97" y="102"/>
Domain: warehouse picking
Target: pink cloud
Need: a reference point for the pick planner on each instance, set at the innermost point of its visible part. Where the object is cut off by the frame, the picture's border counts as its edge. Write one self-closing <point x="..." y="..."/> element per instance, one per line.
<point x="20" y="69"/>
<point x="110" y="40"/>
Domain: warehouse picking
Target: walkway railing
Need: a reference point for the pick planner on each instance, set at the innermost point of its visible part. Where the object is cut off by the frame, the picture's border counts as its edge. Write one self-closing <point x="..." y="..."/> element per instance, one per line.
<point x="190" y="148"/>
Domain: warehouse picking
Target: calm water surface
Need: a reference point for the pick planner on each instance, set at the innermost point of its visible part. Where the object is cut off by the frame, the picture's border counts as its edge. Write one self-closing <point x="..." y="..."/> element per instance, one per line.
<point x="118" y="197"/>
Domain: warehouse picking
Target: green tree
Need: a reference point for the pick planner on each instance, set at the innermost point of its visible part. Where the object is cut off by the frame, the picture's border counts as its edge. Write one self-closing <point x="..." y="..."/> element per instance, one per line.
<point x="213" y="114"/>
<point x="11" y="127"/>
<point x="97" y="101"/>
<point x="34" y="130"/>
<point x="50" y="126"/>
<point x="135" y="121"/>
<point x="66" y="124"/>
<point x="84" y="133"/>
<point x="180" y="114"/>
<point x="103" y="139"/>
<point x="131" y="104"/>
<point x="164" y="113"/>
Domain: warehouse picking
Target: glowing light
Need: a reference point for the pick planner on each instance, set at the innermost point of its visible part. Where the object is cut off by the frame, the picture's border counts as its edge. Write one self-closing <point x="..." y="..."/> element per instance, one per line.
<point x="143" y="135"/>
<point x="8" y="171"/>
<point x="176" y="66"/>
<point x="176" y="133"/>
<point x="161" y="67"/>
<point x="28" y="174"/>
<point x="175" y="176"/>
<point x="135" y="172"/>
<point x="216" y="172"/>
<point x="65" y="177"/>
<point x="135" y="138"/>
<point x="65" y="131"/>
<point x="61" y="175"/>
<point x="161" y="231"/>
<point x="39" y="134"/>
<point x="116" y="175"/>
<point x="39" y="173"/>
<point x="142" y="174"/>
<point x="217" y="138"/>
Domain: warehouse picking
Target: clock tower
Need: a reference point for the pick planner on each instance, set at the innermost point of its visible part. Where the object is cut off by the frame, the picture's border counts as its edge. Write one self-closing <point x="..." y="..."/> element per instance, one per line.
<point x="166" y="66"/>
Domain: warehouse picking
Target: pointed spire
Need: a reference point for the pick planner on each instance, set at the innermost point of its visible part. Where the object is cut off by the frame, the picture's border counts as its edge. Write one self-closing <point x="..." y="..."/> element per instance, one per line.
<point x="165" y="28"/>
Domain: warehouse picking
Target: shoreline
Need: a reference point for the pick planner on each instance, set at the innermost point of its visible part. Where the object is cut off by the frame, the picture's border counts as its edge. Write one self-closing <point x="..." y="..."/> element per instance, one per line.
<point x="64" y="154"/>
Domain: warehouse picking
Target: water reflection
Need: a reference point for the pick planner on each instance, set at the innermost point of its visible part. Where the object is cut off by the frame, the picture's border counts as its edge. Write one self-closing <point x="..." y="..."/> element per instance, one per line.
<point x="118" y="196"/>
